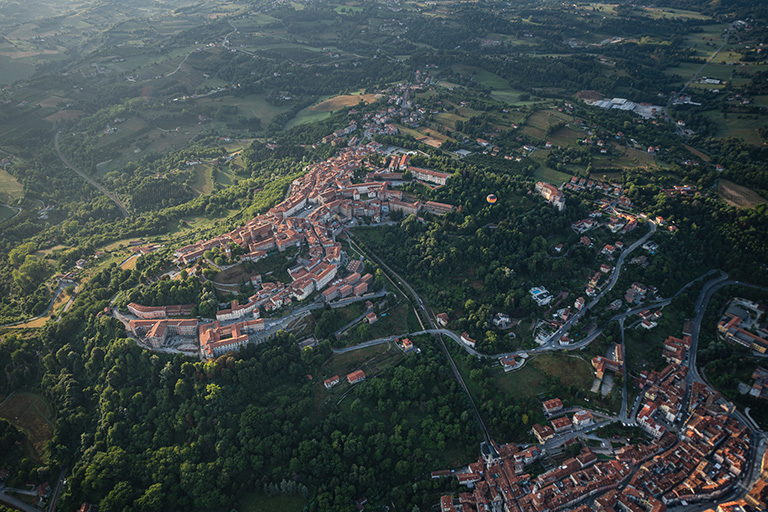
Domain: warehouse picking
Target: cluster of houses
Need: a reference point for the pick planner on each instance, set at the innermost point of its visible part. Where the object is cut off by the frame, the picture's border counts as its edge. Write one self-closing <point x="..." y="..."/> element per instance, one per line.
<point x="328" y="188"/>
<point x="699" y="462"/>
<point x="680" y="190"/>
<point x="352" y="378"/>
<point x="636" y="293"/>
<point x="737" y="325"/>
<point x="760" y="387"/>
<point x="613" y="362"/>
<point x="498" y="481"/>
<point x="577" y="184"/>
<point x="400" y="109"/>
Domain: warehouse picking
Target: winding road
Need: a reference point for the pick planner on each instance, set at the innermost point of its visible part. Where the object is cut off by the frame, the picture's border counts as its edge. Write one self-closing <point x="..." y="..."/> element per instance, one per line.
<point x="88" y="178"/>
<point x="614" y="278"/>
<point x="59" y="290"/>
<point x="433" y="330"/>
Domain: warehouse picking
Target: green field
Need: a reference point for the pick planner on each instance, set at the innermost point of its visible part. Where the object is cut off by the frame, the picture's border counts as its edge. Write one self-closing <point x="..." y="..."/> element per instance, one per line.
<point x="745" y="126"/>
<point x="483" y="77"/>
<point x="533" y="378"/>
<point x="372" y="360"/>
<point x="566" y="137"/>
<point x="552" y="176"/>
<point x="643" y="347"/>
<point x="539" y="122"/>
<point x="398" y="320"/>
<point x="687" y="69"/>
<point x="629" y="159"/>
<point x="10" y="188"/>
<point x="306" y="116"/>
<point x="12" y="70"/>
<point x="659" y="12"/>
<point x="31" y="414"/>
<point x="6" y="212"/>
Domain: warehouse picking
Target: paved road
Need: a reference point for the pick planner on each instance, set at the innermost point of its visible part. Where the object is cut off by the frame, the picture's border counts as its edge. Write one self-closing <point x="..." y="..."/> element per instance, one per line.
<point x="710" y="288"/>
<point x="431" y="322"/>
<point x="379" y="341"/>
<point x="400" y="280"/>
<point x="625" y="378"/>
<point x="338" y="333"/>
<point x="87" y="178"/>
<point x="59" y="289"/>
<point x="16" y="503"/>
<point x="550" y="347"/>
<point x="52" y="502"/>
<point x="706" y="294"/>
<point x="614" y="277"/>
<point x="69" y="303"/>
<point x="681" y="91"/>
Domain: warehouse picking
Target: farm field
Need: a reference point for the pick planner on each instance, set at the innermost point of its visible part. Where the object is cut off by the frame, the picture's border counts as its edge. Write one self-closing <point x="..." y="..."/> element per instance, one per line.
<point x="565" y="137"/>
<point x="345" y="100"/>
<point x="539" y="122"/>
<point x="745" y="126"/>
<point x="397" y="320"/>
<point x="10" y="188"/>
<point x="551" y="176"/>
<point x="323" y="109"/>
<point x="737" y="195"/>
<point x="305" y="116"/>
<point x="12" y="69"/>
<point x="130" y="263"/>
<point x="6" y="212"/>
<point x="662" y="12"/>
<point x="30" y="413"/>
<point x="628" y="158"/>
<point x="687" y="69"/>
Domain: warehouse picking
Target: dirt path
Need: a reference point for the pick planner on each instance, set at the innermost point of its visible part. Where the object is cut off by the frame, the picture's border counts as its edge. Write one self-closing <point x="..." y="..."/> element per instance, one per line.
<point x="87" y="178"/>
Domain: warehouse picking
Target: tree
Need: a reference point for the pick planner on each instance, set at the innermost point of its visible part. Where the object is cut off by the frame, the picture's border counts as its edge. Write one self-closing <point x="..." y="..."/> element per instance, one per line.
<point x="306" y="355"/>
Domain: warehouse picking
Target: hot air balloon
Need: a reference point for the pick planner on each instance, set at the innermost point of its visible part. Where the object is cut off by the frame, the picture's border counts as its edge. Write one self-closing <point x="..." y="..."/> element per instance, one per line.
<point x="491" y="198"/>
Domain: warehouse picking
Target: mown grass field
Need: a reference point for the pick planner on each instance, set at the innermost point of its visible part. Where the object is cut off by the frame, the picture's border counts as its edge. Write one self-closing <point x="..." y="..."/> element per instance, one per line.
<point x="6" y="212"/>
<point x="531" y="380"/>
<point x="130" y="263"/>
<point x="539" y="122"/>
<point x="31" y="414"/>
<point x="398" y="320"/>
<point x="566" y="137"/>
<point x="737" y="195"/>
<point x="744" y="126"/>
<point x="667" y="13"/>
<point x="629" y="158"/>
<point x="10" y="188"/>
<point x="552" y="176"/>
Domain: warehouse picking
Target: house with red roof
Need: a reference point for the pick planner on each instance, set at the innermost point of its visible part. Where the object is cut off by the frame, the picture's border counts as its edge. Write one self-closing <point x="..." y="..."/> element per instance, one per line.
<point x="356" y="376"/>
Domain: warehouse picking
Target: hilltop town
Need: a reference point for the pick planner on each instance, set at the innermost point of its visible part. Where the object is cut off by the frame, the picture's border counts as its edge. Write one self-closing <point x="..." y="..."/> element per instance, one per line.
<point x="318" y="207"/>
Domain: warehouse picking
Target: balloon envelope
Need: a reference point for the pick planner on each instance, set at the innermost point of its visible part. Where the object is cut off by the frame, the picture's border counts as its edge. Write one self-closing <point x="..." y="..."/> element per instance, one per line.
<point x="491" y="198"/>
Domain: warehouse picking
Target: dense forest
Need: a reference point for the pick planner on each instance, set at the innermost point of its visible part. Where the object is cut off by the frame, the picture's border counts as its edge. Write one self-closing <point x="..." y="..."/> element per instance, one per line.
<point x="199" y="117"/>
